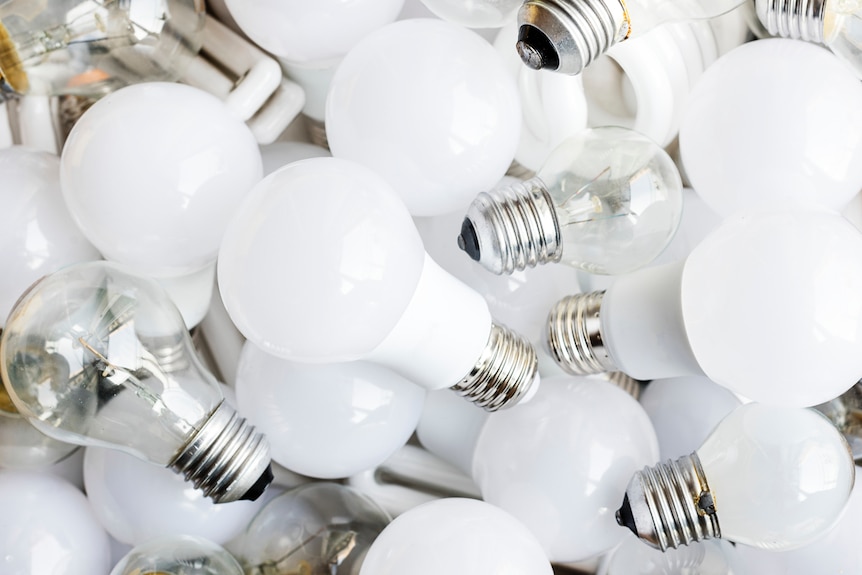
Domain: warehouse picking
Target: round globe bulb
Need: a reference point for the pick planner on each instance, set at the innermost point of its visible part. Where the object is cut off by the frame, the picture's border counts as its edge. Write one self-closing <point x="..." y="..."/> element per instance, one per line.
<point x="177" y="555"/>
<point x="477" y="14"/>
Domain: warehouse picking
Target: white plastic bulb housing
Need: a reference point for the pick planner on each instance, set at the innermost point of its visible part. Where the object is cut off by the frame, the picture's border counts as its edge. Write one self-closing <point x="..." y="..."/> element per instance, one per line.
<point x="455" y="536"/>
<point x="178" y="555"/>
<point x="327" y="420"/>
<point x="770" y="477"/>
<point x="94" y="355"/>
<point x="311" y="33"/>
<point x="771" y="122"/>
<point x="430" y="106"/>
<point x="39" y="236"/>
<point x="475" y="14"/>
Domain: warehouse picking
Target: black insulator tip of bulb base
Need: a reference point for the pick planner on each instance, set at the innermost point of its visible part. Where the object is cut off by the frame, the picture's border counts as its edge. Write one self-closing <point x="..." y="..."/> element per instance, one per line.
<point x="536" y="49"/>
<point x="259" y="486"/>
<point x="625" y="517"/>
<point x="469" y="241"/>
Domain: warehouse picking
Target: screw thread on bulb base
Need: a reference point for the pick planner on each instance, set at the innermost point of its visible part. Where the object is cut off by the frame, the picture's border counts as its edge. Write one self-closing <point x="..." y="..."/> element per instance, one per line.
<point x="515" y="227"/>
<point x="670" y="504"/>
<point x="794" y="19"/>
<point x="627" y="383"/>
<point x="575" y="335"/>
<point x="505" y="373"/>
<point x="227" y="459"/>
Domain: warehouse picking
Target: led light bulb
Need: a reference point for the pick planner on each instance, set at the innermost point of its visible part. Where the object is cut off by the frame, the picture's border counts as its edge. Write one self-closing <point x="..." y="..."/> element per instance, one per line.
<point x="566" y="36"/>
<point x="769" y="477"/>
<point x="80" y="46"/>
<point x="320" y="527"/>
<point x="322" y="263"/>
<point x="802" y="323"/>
<point x="429" y="106"/>
<point x="455" y="536"/>
<point x="192" y="161"/>
<point x="49" y="527"/>
<point x="93" y="355"/>
<point x="475" y="14"/>
<point x="327" y="420"/>
<point x="178" y="555"/>
<point x="751" y="134"/>
<point x="607" y="201"/>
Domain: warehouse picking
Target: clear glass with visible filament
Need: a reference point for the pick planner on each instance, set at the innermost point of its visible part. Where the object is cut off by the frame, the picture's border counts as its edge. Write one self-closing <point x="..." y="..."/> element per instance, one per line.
<point x="178" y="555"/>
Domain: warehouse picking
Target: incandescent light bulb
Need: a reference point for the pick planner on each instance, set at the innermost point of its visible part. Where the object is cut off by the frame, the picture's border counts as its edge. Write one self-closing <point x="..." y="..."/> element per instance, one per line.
<point x="178" y="555"/>
<point x="94" y="355"/>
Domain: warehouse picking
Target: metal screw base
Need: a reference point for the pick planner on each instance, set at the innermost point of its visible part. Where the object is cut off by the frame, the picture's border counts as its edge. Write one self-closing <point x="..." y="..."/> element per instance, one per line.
<point x="670" y="504"/>
<point x="795" y="19"/>
<point x="227" y="459"/>
<point x="575" y="335"/>
<point x="504" y="374"/>
<point x="515" y="227"/>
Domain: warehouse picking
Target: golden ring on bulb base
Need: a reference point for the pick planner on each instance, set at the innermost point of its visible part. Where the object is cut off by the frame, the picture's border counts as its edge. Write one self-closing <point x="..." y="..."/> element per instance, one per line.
<point x="11" y="68"/>
<point x="627" y="19"/>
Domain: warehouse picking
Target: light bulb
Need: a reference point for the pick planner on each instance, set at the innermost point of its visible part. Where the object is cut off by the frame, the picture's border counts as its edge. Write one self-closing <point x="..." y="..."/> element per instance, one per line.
<point x="192" y="161"/>
<point x="836" y="24"/>
<point x="327" y="420"/>
<point x="93" y="355"/>
<point x="774" y="121"/>
<point x="741" y="309"/>
<point x="49" y="527"/>
<point x="476" y="13"/>
<point x="769" y="477"/>
<point x="80" y="46"/>
<point x="707" y="557"/>
<point x="322" y="263"/>
<point x="177" y="555"/>
<point x="566" y="36"/>
<point x="606" y="201"/>
<point x="38" y="234"/>
<point x="455" y="536"/>
<point x="429" y="106"/>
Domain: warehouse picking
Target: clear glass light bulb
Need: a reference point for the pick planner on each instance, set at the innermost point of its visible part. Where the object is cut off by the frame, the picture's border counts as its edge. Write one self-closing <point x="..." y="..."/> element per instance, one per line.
<point x="770" y="477"/>
<point x="566" y="36"/>
<point x="607" y="201"/>
<point x="79" y="46"/>
<point x="742" y="309"/>
<point x="751" y="135"/>
<point x="707" y="557"/>
<point x="455" y="536"/>
<point x="322" y="263"/>
<point x="94" y="355"/>
<point x="474" y="13"/>
<point x="178" y="555"/>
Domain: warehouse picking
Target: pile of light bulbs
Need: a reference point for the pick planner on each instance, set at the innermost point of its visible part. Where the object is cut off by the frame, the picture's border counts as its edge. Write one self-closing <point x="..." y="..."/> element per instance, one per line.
<point x="255" y="344"/>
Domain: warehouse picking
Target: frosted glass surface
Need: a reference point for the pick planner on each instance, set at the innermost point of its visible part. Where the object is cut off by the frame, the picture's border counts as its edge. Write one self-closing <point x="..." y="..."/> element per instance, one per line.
<point x="180" y="163"/>
<point x="327" y="420"/>
<point x="458" y="537"/>
<point x="772" y="305"/>
<point x="781" y="476"/>
<point x="773" y="121"/>
<point x="475" y="13"/>
<point x="560" y="462"/>
<point x="430" y="106"/>
<point x="320" y="261"/>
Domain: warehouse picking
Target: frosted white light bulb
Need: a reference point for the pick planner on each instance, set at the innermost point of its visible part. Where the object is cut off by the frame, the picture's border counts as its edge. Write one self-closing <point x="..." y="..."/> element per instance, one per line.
<point x="178" y="555"/>
<point x="38" y="235"/>
<point x="607" y="201"/>
<point x="458" y="537"/>
<point x="568" y="35"/>
<point x="430" y="107"/>
<point x="80" y="46"/>
<point x="327" y="420"/>
<point x="180" y="163"/>
<point x="769" y="477"/>
<point x="94" y="355"/>
<point x="136" y="501"/>
<point x="771" y="122"/>
<point x="322" y="263"/>
<point x="49" y="527"/>
<point x="475" y="13"/>
<point x="802" y="323"/>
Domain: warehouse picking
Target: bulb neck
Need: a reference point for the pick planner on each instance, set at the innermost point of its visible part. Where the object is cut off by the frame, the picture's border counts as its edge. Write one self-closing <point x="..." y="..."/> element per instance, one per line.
<point x="512" y="228"/>
<point x="794" y="19"/>
<point x="574" y="331"/>
<point x="506" y="373"/>
<point x="670" y="504"/>
<point x="567" y="35"/>
<point x="227" y="459"/>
